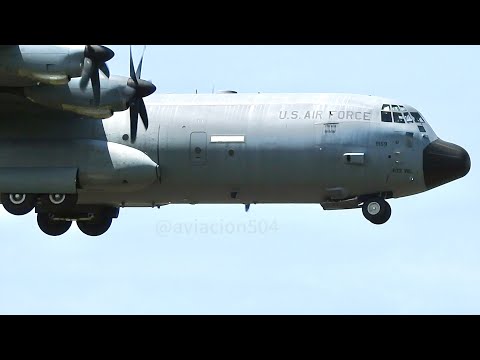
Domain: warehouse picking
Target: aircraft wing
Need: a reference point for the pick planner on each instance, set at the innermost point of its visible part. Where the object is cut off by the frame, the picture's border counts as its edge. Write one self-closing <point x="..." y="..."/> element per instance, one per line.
<point x="14" y="108"/>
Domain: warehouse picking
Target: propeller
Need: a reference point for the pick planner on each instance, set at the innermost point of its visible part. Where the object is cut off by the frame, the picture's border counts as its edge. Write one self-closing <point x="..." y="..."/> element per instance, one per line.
<point x="96" y="57"/>
<point x="141" y="89"/>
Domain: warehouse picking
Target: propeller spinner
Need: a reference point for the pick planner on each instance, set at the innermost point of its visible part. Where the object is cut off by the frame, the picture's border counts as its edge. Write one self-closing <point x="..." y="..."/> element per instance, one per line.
<point x="141" y="89"/>
<point x="96" y="57"/>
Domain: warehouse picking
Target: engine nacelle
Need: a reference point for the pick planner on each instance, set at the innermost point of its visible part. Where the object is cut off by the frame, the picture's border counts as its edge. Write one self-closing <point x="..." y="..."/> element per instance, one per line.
<point x="114" y="97"/>
<point x="26" y="65"/>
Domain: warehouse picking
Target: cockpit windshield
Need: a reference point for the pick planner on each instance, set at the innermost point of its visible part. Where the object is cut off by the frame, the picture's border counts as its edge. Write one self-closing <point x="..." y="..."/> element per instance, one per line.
<point x="417" y="117"/>
<point x="399" y="114"/>
<point x="398" y="117"/>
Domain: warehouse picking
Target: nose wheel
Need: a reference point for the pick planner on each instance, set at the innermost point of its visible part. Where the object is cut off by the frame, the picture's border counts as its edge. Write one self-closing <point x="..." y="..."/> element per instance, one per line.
<point x="376" y="210"/>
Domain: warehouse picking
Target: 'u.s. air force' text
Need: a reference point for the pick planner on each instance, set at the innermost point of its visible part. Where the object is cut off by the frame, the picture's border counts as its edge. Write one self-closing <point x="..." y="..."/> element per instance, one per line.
<point x="321" y="115"/>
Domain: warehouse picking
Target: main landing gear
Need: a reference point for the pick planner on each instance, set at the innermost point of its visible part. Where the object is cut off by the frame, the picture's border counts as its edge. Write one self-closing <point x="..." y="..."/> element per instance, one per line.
<point x="22" y="204"/>
<point x="50" y="226"/>
<point x="91" y="220"/>
<point x="98" y="225"/>
<point x="18" y="204"/>
<point x="376" y="210"/>
<point x="56" y="212"/>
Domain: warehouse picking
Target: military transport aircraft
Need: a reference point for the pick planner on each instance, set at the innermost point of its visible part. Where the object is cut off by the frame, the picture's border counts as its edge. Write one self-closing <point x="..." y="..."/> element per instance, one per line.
<point x="71" y="151"/>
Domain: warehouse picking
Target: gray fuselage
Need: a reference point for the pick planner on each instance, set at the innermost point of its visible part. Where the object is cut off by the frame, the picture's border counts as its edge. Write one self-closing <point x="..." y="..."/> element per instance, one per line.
<point x="232" y="148"/>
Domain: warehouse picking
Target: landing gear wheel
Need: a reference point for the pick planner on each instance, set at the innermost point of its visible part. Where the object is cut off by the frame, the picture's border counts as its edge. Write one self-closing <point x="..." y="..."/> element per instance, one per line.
<point x="377" y="211"/>
<point x="52" y="227"/>
<point x="18" y="204"/>
<point x="59" y="202"/>
<point x="96" y="227"/>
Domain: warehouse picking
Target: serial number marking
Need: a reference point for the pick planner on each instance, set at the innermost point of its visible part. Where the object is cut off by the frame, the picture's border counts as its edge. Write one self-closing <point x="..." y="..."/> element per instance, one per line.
<point x="382" y="143"/>
<point x="401" y="171"/>
<point x="330" y="128"/>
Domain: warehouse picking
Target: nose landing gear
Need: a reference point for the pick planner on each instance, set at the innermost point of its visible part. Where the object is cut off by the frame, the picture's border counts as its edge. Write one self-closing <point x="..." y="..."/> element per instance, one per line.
<point x="376" y="210"/>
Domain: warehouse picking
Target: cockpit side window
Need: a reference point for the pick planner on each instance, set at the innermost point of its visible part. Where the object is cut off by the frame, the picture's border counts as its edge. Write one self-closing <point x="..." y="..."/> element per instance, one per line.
<point x="386" y="113"/>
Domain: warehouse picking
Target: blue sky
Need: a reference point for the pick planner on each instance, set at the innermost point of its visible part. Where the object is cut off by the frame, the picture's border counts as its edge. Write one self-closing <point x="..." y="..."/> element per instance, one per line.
<point x="276" y="259"/>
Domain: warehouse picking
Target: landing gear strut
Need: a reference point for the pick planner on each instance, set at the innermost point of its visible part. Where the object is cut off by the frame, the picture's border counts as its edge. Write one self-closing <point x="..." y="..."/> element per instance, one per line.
<point x="377" y="210"/>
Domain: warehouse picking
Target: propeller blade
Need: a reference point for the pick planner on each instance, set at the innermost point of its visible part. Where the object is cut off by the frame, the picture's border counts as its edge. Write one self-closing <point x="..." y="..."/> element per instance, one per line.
<point x="105" y="70"/>
<point x="96" y="57"/>
<point x="143" y="112"/>
<point x="133" y="76"/>
<point x="133" y="121"/>
<point x="86" y="73"/>
<point x="139" y="68"/>
<point x="141" y="89"/>
<point x="96" y="86"/>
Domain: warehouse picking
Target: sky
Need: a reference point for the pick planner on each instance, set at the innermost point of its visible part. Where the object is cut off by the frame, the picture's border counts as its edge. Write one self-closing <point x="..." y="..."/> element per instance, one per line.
<point x="275" y="259"/>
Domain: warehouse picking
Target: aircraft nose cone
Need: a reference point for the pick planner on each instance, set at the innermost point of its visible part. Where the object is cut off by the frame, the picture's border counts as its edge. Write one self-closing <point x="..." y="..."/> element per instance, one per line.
<point x="444" y="162"/>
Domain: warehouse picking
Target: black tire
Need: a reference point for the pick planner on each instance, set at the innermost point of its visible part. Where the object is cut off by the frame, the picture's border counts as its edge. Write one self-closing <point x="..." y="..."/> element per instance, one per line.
<point x="66" y="203"/>
<point x="19" y="204"/>
<point x="95" y="227"/>
<point x="377" y="211"/>
<point x="52" y="227"/>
